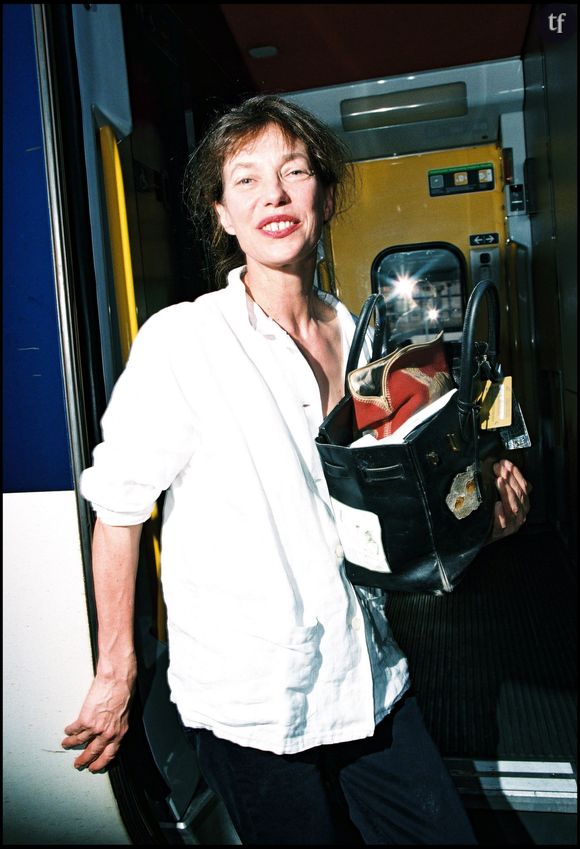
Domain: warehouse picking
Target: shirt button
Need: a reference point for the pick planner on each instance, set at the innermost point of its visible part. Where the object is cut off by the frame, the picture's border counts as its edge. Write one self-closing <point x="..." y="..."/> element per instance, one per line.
<point x="339" y="551"/>
<point x="356" y="624"/>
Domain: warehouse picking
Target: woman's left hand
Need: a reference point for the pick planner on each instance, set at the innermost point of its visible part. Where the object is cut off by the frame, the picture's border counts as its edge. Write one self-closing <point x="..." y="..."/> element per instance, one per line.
<point x="512" y="509"/>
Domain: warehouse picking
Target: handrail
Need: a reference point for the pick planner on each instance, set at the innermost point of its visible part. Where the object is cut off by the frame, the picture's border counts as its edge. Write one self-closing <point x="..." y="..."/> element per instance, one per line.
<point x="125" y="297"/>
<point x="119" y="235"/>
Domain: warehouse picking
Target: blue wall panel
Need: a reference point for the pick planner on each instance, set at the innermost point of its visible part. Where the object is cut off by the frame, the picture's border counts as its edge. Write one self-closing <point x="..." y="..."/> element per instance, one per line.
<point x="36" y="445"/>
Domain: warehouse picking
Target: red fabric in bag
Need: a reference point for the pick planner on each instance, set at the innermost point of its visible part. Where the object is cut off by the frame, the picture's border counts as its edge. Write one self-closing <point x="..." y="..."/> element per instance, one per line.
<point x="388" y="391"/>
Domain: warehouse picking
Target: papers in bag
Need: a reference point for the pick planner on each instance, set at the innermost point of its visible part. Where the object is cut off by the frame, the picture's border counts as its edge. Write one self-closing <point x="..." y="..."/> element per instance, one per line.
<point x="405" y="429"/>
<point x="360" y="536"/>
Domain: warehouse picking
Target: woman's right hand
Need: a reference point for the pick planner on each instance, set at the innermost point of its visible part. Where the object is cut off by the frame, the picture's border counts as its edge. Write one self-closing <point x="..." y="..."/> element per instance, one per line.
<point x="104" y="717"/>
<point x="103" y="720"/>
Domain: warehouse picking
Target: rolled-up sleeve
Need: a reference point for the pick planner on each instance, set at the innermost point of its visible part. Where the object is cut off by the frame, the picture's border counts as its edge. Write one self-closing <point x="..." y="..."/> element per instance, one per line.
<point x="149" y="427"/>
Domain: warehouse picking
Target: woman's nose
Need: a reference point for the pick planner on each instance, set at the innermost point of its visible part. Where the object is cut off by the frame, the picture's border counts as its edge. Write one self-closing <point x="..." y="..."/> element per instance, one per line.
<point x="275" y="190"/>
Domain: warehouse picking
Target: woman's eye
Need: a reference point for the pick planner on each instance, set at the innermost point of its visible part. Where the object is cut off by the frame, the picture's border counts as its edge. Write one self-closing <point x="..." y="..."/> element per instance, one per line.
<point x="295" y="175"/>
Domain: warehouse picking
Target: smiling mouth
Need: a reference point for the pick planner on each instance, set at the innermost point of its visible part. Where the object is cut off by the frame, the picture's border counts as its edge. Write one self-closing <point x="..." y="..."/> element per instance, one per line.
<point x="279" y="227"/>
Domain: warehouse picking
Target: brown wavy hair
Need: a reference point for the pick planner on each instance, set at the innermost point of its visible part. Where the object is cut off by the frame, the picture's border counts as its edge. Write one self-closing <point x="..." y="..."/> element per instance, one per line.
<point x="203" y="184"/>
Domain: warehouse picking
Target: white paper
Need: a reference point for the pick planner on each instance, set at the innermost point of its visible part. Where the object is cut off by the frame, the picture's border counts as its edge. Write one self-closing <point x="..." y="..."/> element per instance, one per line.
<point x="360" y="536"/>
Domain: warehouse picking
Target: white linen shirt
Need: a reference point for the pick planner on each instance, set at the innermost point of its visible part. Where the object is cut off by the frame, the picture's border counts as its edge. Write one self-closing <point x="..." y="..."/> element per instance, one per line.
<point x="270" y="646"/>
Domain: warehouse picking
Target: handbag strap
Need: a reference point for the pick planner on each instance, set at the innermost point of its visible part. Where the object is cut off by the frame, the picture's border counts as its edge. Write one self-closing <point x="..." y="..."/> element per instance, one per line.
<point x="373" y="304"/>
<point x="476" y="362"/>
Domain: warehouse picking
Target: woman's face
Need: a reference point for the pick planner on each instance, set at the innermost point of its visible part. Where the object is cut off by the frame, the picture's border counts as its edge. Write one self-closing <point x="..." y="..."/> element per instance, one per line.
<point x="272" y="202"/>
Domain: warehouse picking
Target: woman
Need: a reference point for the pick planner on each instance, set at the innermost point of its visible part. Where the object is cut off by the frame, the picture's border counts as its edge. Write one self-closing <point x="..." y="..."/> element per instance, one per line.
<point x="290" y="684"/>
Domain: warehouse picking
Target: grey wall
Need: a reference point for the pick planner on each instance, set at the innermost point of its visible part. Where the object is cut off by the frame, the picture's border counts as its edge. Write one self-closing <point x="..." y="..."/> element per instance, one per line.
<point x="551" y="138"/>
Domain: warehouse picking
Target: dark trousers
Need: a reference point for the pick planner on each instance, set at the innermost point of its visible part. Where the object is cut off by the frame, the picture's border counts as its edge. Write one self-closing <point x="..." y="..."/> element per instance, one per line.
<point x="392" y="788"/>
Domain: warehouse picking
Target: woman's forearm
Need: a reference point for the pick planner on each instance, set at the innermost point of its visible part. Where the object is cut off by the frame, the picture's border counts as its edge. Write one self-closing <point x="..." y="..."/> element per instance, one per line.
<point x="115" y="559"/>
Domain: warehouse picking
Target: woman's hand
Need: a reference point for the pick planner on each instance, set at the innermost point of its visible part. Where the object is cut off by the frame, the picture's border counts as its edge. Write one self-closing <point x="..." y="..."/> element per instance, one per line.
<point x="102" y="722"/>
<point x="512" y="509"/>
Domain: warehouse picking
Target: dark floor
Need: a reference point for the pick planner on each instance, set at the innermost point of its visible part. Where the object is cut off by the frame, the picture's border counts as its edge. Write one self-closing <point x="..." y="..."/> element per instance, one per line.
<point x="494" y="669"/>
<point x="524" y="828"/>
<point x="494" y="662"/>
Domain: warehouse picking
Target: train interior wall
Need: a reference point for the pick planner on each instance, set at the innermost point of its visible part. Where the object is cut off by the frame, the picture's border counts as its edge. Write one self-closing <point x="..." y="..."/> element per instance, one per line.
<point x="550" y="72"/>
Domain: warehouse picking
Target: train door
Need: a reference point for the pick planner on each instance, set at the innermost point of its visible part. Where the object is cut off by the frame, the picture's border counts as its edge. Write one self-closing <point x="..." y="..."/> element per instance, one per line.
<point x="452" y="196"/>
<point x="424" y="229"/>
<point x="47" y="646"/>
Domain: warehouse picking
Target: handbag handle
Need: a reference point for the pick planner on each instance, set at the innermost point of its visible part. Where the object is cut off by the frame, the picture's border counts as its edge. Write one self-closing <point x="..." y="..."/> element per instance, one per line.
<point x="374" y="303"/>
<point x="473" y="364"/>
<point x="469" y="368"/>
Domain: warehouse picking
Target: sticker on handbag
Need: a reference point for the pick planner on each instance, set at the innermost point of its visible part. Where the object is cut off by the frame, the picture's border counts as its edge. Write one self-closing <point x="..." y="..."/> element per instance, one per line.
<point x="360" y="536"/>
<point x="463" y="496"/>
<point x="495" y="402"/>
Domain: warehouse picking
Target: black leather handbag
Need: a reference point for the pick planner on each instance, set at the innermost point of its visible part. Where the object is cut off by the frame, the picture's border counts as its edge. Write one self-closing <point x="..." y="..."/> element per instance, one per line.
<point x="412" y="516"/>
